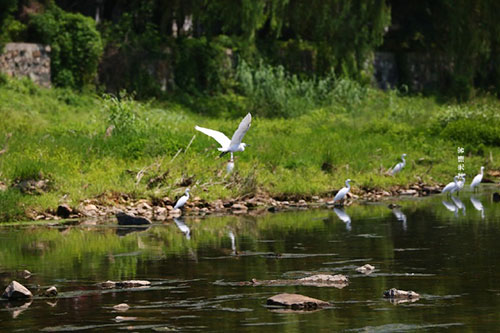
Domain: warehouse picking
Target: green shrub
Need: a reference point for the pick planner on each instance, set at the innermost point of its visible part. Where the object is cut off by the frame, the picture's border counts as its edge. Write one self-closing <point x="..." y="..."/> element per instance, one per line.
<point x="76" y="45"/>
<point x="473" y="132"/>
<point x="123" y="113"/>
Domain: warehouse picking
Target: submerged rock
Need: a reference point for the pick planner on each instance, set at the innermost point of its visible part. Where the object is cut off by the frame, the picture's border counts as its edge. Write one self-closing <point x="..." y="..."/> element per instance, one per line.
<point x="121" y="307"/>
<point x="365" y="269"/>
<point x="395" y="293"/>
<point x="496" y="197"/>
<point x="296" y="301"/>
<point x="15" y="290"/>
<point x="326" y="278"/>
<point x="125" y="284"/>
<point x="125" y="219"/>
<point x="50" y="292"/>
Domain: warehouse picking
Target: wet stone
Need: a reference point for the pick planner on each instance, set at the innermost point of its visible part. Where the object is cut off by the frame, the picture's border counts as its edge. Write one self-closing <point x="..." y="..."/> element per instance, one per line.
<point x="125" y="284"/>
<point x="296" y="301"/>
<point x="326" y="278"/>
<point x="15" y="290"/>
<point x="64" y="211"/>
<point x="125" y="219"/>
<point x="395" y="293"/>
<point x="121" y="307"/>
<point x="50" y="292"/>
<point x="365" y="269"/>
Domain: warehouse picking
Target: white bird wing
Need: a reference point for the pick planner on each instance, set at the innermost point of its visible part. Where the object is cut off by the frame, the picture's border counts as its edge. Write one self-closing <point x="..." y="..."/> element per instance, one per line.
<point x="340" y="194"/>
<point x="448" y="187"/>
<point x="241" y="131"/>
<point x="220" y="137"/>
<point x="476" y="203"/>
<point x="181" y="202"/>
<point x="397" y="168"/>
<point x="476" y="181"/>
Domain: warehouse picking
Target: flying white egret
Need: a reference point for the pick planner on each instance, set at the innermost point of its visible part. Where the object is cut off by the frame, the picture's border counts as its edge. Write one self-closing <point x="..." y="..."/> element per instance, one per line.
<point x="400" y="216"/>
<point x="182" y="200"/>
<point x="477" y="205"/>
<point x="235" y="143"/>
<point x="398" y="167"/>
<point x="342" y="192"/>
<point x="451" y="187"/>
<point x="230" y="164"/>
<point x="344" y="217"/>
<point x="183" y="228"/>
<point x="460" y="205"/>
<point x="477" y="179"/>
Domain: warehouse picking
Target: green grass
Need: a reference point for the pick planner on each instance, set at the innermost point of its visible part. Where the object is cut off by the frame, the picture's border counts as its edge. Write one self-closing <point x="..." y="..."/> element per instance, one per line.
<point x="60" y="135"/>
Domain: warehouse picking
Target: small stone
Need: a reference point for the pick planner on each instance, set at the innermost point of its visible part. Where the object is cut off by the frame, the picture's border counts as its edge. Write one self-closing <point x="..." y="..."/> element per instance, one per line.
<point x="238" y="206"/>
<point x="120" y="318"/>
<point x="395" y="293"/>
<point x="409" y="192"/>
<point x="26" y="274"/>
<point x="15" y="290"/>
<point x="125" y="284"/>
<point x="64" y="211"/>
<point x="121" y="307"/>
<point x="296" y="301"/>
<point x="126" y="219"/>
<point x="365" y="269"/>
<point x="337" y="278"/>
<point x="50" y="292"/>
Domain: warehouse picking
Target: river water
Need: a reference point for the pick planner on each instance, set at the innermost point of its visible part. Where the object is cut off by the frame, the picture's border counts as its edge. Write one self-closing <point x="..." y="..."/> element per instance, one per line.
<point x="445" y="249"/>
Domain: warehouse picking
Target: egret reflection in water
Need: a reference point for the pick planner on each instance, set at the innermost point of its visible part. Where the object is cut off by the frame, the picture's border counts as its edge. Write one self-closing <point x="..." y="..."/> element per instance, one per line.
<point x="400" y="216"/>
<point x="460" y="205"/>
<point x="477" y="205"/>
<point x="183" y="227"/>
<point x="233" y="242"/>
<point x="344" y="217"/>
<point x="451" y="207"/>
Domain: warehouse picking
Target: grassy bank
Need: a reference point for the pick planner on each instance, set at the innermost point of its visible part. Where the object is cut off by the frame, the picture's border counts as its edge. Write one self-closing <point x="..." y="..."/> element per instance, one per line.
<point x="59" y="135"/>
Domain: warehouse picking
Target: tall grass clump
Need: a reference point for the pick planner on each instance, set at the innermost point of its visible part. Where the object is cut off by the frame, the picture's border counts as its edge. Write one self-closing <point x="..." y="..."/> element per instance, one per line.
<point x="272" y="92"/>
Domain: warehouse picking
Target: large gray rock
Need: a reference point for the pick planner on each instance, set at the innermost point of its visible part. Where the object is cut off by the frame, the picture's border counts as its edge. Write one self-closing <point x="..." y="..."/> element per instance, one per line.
<point x="296" y="301"/>
<point x="125" y="219"/>
<point x="15" y="290"/>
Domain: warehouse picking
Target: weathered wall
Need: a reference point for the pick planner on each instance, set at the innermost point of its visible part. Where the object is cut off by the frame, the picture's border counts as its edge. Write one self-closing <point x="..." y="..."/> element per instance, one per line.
<point x="27" y="60"/>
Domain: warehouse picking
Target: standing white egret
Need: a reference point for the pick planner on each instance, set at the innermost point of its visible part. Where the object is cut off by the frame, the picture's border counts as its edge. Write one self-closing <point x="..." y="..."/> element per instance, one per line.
<point x="344" y="217"/>
<point x="343" y="191"/>
<point x="400" y="216"/>
<point x="183" y="228"/>
<point x="398" y="167"/>
<point x="235" y="143"/>
<point x="477" y="180"/>
<point x="451" y="187"/>
<point x="477" y="205"/>
<point x="230" y="164"/>
<point x="460" y="183"/>
<point x="182" y="200"/>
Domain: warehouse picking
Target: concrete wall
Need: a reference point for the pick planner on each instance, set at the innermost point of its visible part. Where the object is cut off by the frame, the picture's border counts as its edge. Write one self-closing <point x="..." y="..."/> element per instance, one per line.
<point x="27" y="60"/>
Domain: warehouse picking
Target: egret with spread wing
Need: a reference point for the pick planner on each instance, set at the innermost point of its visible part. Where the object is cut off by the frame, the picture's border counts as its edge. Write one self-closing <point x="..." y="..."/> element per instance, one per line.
<point x="233" y="145"/>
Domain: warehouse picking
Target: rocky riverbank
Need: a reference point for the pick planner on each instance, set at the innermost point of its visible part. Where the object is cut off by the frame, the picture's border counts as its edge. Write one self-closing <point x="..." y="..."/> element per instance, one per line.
<point x="163" y="209"/>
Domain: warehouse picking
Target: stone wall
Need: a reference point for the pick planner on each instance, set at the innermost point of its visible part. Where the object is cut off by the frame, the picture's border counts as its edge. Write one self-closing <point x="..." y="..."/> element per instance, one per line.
<point x="27" y="60"/>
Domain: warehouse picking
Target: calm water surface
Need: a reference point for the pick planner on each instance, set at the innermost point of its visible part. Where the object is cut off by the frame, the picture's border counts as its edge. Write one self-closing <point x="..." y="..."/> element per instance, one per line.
<point x="446" y="250"/>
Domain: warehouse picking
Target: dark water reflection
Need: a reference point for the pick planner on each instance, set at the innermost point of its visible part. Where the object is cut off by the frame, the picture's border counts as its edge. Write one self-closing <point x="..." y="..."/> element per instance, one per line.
<point x="446" y="249"/>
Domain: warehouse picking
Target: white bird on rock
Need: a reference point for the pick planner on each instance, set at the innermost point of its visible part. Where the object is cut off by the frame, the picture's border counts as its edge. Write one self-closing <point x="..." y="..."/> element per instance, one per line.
<point x="182" y="200"/>
<point x="233" y="145"/>
<point x="451" y="187"/>
<point x="343" y="191"/>
<point x="477" y="180"/>
<point x="398" y="167"/>
<point x="230" y="164"/>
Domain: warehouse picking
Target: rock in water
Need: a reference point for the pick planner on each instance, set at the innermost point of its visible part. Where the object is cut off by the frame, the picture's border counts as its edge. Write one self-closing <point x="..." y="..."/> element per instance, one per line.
<point x="296" y="302"/>
<point x="121" y="307"/>
<point x="496" y="197"/>
<point x="15" y="290"/>
<point x="125" y="284"/>
<point x="395" y="293"/>
<point x="365" y="269"/>
<point x="50" y="292"/>
<point x="326" y="278"/>
<point x="125" y="219"/>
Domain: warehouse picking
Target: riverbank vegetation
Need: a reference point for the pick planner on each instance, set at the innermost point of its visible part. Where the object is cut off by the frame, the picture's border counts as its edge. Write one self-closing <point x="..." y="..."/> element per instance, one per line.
<point x="64" y="140"/>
